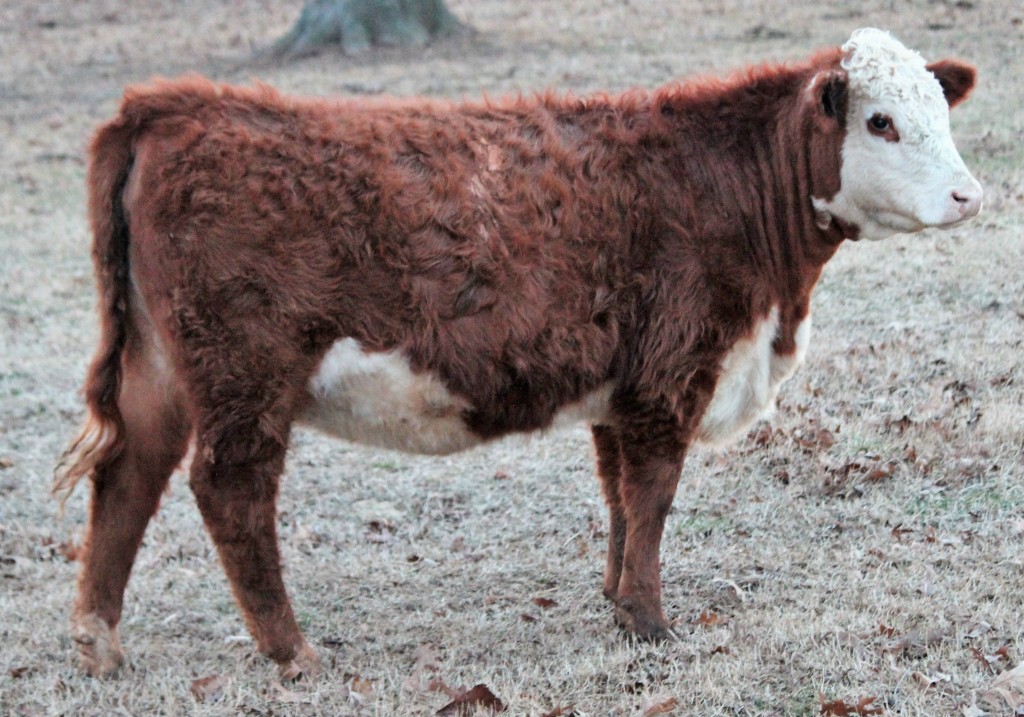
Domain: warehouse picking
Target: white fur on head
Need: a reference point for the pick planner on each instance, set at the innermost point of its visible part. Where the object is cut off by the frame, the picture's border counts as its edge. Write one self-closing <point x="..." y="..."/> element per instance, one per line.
<point x="913" y="178"/>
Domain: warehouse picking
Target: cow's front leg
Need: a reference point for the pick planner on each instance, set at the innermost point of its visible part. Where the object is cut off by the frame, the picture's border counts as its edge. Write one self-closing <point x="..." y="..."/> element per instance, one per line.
<point x="609" y="471"/>
<point x="647" y="485"/>
<point x="237" y="501"/>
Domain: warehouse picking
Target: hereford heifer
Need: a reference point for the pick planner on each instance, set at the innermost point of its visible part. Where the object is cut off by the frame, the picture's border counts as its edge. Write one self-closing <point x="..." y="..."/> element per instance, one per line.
<point x="426" y="276"/>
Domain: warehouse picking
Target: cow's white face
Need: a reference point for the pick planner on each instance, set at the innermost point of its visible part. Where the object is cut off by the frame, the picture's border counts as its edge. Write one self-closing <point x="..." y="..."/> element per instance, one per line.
<point x="900" y="169"/>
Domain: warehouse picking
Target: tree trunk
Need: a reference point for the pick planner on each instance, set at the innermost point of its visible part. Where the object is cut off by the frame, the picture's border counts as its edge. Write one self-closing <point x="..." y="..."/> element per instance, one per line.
<point x="356" y="25"/>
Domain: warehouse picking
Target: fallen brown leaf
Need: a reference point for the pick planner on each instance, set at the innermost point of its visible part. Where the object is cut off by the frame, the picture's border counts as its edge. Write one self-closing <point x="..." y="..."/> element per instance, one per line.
<point x="208" y="689"/>
<point x="815" y="440"/>
<point x="991" y="661"/>
<point x="839" y="708"/>
<point x="426" y="659"/>
<point x="544" y="602"/>
<point x="69" y="550"/>
<point x="468" y="701"/>
<point x="876" y="474"/>
<point x="442" y="686"/>
<point x="929" y="680"/>
<point x="361" y="686"/>
<point x="709" y="618"/>
<point x="569" y="711"/>
<point x="900" y="424"/>
<point x="917" y="640"/>
<point x="899" y="531"/>
<point x="660" y="704"/>
<point x="288" y="696"/>
<point x="1006" y="690"/>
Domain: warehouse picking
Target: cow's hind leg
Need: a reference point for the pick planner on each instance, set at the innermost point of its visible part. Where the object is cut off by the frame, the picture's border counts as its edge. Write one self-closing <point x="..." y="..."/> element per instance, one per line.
<point x="609" y="470"/>
<point x="125" y="494"/>
<point x="235" y="487"/>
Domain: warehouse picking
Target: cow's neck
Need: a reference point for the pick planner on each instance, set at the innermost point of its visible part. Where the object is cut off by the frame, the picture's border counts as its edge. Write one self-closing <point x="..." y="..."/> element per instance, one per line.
<point x="755" y="160"/>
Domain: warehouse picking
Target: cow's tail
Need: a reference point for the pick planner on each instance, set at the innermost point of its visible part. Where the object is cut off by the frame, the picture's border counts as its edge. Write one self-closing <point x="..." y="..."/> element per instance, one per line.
<point x="101" y="439"/>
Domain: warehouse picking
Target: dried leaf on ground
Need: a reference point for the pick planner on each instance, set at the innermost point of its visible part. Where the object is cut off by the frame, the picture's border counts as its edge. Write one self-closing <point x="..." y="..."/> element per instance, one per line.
<point x="710" y="618"/>
<point x="468" y="701"/>
<point x="208" y="689"/>
<point x="978" y="629"/>
<point x="569" y="711"/>
<point x="659" y="704"/>
<point x="990" y="661"/>
<point x="899" y="531"/>
<point x="288" y="696"/>
<point x="1006" y="690"/>
<point x="442" y="686"/>
<point x="360" y="689"/>
<point x="839" y="708"/>
<point x="426" y="660"/>
<point x="930" y="679"/>
<point x="544" y="602"/>
<point x="917" y="641"/>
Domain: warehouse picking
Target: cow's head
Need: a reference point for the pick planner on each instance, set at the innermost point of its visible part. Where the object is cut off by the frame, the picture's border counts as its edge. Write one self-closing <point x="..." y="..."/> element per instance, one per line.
<point x="900" y="169"/>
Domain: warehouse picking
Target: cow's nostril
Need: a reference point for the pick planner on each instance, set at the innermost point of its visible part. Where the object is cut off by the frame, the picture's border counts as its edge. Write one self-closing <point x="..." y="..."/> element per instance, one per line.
<point x="967" y="200"/>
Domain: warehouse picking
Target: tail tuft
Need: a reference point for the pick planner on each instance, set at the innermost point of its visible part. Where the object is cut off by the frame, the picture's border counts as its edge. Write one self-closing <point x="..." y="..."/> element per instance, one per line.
<point x="98" y="443"/>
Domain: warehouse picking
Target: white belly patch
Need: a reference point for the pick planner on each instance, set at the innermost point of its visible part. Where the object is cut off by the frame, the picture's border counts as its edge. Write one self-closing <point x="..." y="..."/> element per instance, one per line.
<point x="751" y="376"/>
<point x="376" y="399"/>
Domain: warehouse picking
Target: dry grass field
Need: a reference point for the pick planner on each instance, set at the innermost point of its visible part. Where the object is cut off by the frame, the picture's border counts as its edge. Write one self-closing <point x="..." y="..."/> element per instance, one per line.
<point x="862" y="552"/>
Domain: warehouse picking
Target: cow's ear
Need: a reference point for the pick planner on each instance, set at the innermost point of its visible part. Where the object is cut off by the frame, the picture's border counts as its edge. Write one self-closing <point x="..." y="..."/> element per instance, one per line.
<point x="957" y="79"/>
<point x="828" y="90"/>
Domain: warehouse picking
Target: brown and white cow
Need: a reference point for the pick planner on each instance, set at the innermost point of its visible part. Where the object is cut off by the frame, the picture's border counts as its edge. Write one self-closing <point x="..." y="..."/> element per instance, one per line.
<point x="426" y="276"/>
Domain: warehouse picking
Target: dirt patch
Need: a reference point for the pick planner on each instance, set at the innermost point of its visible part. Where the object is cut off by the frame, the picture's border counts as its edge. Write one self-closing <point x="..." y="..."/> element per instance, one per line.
<point x="867" y="541"/>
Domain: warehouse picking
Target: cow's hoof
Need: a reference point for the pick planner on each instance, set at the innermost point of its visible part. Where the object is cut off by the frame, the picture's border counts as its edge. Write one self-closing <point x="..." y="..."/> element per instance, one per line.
<point x="305" y="665"/>
<point x="643" y="624"/>
<point x="99" y="649"/>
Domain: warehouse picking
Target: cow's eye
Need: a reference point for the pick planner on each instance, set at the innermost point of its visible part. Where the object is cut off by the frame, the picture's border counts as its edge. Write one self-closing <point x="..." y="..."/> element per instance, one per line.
<point x="881" y="126"/>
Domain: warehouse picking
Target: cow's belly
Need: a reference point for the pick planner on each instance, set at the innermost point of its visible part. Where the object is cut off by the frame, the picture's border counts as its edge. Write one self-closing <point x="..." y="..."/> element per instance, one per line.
<point x="376" y="399"/>
<point x="751" y="375"/>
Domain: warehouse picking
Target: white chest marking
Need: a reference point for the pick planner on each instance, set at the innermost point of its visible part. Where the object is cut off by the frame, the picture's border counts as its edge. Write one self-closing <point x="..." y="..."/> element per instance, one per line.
<point x="751" y="375"/>
<point x="376" y="399"/>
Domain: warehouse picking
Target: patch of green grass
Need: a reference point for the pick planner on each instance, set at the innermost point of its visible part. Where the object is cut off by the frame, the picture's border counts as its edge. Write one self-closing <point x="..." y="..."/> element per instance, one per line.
<point x="701" y="524"/>
<point x="984" y="497"/>
<point x="804" y="701"/>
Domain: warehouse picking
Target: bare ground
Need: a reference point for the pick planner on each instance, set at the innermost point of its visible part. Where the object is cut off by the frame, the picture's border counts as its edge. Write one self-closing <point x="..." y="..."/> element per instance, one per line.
<point x="866" y="542"/>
